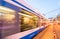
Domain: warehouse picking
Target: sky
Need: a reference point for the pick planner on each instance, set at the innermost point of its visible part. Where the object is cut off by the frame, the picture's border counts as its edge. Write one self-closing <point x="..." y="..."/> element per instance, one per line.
<point x="49" y="8"/>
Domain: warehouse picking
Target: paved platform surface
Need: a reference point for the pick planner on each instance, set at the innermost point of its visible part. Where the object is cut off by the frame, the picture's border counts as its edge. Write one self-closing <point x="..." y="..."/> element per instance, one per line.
<point x="48" y="33"/>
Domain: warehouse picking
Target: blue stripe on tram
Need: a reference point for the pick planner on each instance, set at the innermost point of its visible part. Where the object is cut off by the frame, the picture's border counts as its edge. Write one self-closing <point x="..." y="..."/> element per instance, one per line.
<point x="30" y="36"/>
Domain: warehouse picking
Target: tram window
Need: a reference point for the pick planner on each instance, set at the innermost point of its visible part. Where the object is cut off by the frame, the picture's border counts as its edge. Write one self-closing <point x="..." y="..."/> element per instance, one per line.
<point x="8" y="19"/>
<point x="7" y="16"/>
<point x="27" y="21"/>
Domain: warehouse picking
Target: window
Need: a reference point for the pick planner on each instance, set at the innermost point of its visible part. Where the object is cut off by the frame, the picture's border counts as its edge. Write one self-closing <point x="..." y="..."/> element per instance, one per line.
<point x="27" y="20"/>
<point x="8" y="21"/>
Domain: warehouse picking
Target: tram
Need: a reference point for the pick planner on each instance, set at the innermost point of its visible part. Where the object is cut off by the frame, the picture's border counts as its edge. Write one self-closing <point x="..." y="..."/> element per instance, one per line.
<point x="14" y="19"/>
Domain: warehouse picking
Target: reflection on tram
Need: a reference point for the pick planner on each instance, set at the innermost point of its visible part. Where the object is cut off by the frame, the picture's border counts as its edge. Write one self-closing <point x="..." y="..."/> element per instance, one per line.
<point x="12" y="22"/>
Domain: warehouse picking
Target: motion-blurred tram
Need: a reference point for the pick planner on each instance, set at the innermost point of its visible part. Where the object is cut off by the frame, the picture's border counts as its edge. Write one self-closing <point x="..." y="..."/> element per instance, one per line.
<point x="14" y="19"/>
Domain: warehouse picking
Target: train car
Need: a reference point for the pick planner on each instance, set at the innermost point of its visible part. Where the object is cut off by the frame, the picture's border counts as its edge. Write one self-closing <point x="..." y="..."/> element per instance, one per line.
<point x="16" y="21"/>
